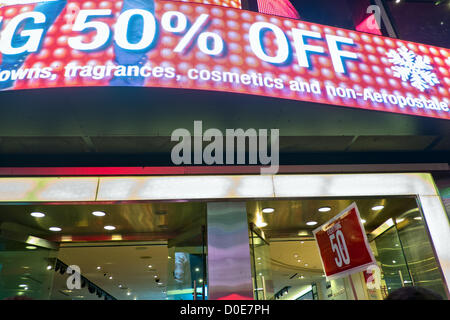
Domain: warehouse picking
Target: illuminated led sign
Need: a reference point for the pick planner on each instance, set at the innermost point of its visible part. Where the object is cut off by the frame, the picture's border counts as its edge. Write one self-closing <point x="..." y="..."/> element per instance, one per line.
<point x="173" y="44"/>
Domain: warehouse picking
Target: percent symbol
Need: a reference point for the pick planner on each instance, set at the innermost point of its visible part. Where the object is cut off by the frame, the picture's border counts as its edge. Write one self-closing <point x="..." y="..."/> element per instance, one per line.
<point x="208" y="42"/>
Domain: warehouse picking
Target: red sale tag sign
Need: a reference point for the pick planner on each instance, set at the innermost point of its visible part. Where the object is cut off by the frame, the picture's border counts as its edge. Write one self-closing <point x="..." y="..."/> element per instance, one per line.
<point x="343" y="245"/>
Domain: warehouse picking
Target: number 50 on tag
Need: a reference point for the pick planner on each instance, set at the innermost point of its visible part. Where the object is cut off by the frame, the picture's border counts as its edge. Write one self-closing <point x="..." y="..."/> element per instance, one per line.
<point x="343" y="245"/>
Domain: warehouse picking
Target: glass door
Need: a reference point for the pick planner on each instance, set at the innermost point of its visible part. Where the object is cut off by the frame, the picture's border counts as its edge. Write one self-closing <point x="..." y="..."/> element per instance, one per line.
<point x="261" y="265"/>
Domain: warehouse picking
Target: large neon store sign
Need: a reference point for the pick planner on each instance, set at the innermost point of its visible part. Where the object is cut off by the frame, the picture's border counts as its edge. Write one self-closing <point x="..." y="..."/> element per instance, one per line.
<point x="60" y="43"/>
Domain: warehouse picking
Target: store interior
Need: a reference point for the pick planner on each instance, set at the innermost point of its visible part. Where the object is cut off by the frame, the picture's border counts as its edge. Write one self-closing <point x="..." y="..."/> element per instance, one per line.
<point x="158" y="250"/>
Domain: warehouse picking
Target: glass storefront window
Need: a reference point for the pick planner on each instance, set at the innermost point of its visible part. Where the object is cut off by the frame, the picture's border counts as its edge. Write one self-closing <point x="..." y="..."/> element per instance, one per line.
<point x="395" y="230"/>
<point x="140" y="251"/>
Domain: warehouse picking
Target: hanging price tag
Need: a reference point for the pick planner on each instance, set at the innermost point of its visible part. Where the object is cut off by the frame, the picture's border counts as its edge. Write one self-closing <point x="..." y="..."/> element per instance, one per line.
<point x="343" y="245"/>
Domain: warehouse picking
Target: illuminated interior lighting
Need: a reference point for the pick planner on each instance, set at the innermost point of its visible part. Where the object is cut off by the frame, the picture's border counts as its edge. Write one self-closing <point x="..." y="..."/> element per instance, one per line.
<point x="116" y="237"/>
<point x="399" y="220"/>
<point x="324" y="209"/>
<point x="110" y="277"/>
<point x="109" y="227"/>
<point x="49" y="267"/>
<point x="54" y="229"/>
<point x="417" y="218"/>
<point x="268" y="210"/>
<point x="23" y="285"/>
<point x="37" y="214"/>
<point x="150" y="266"/>
<point x="128" y="293"/>
<point x="311" y="223"/>
<point x="66" y="238"/>
<point x="197" y="269"/>
<point x="98" y="268"/>
<point x="377" y="208"/>
<point x="259" y="222"/>
<point x="30" y="247"/>
<point x="382" y="228"/>
<point x="363" y="221"/>
<point x="98" y="213"/>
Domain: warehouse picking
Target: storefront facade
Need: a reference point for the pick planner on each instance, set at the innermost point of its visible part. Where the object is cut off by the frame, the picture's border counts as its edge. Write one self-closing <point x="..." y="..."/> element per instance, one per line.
<point x="88" y="177"/>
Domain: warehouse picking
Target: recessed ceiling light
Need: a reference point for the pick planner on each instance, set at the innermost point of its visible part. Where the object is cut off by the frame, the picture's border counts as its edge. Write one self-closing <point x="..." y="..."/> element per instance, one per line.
<point x="55" y="229"/>
<point x="23" y="285"/>
<point x="324" y="209"/>
<point x="128" y="293"/>
<point x="311" y="223"/>
<point x="155" y="277"/>
<point x="98" y="213"/>
<point x="98" y="268"/>
<point x="268" y="210"/>
<point x="376" y="208"/>
<point x="37" y="214"/>
<point x="109" y="227"/>
<point x="30" y="247"/>
<point x="417" y="218"/>
<point x="261" y="224"/>
<point x="299" y="260"/>
<point x="110" y="277"/>
<point x="150" y="266"/>
<point x="49" y="267"/>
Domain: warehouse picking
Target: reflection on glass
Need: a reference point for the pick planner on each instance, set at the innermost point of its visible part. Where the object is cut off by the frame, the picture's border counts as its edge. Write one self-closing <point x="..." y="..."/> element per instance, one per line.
<point x="390" y="258"/>
<point x="419" y="253"/>
<point x="25" y="272"/>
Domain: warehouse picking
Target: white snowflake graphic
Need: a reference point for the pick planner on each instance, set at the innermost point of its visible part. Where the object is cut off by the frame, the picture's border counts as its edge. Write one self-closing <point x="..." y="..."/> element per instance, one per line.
<point x="413" y="68"/>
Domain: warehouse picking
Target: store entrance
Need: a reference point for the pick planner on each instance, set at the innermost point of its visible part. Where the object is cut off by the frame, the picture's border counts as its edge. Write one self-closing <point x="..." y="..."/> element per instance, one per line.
<point x="123" y="251"/>
<point x="287" y="265"/>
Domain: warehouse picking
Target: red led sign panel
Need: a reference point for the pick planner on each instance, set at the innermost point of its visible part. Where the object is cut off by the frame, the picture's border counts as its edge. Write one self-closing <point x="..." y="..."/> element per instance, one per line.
<point x="282" y="8"/>
<point x="175" y="44"/>
<point x="343" y="244"/>
<point x="224" y="3"/>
